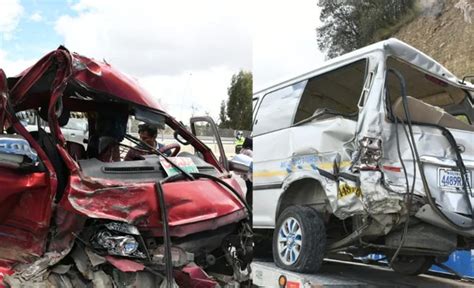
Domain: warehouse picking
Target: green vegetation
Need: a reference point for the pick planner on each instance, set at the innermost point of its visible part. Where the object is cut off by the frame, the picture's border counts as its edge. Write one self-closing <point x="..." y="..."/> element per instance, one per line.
<point x="237" y="112"/>
<point x="352" y="24"/>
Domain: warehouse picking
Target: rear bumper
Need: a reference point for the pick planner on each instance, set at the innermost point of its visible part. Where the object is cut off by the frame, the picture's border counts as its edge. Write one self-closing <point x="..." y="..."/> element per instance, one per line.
<point x="427" y="214"/>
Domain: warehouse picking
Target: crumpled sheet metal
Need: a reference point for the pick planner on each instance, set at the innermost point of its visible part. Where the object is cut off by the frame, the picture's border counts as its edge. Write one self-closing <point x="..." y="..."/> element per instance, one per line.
<point x="376" y="198"/>
<point x="192" y="207"/>
<point x="345" y="206"/>
<point x="322" y="136"/>
<point x="346" y="199"/>
<point x="36" y="272"/>
<point x="119" y="202"/>
<point x="301" y="161"/>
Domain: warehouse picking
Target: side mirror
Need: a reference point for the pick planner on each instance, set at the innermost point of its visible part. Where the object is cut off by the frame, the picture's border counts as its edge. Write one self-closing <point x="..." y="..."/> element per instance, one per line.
<point x="241" y="163"/>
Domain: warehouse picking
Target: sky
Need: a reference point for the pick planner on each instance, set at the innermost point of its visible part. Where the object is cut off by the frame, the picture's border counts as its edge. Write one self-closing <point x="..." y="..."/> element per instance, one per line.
<point x="183" y="52"/>
<point x="284" y="40"/>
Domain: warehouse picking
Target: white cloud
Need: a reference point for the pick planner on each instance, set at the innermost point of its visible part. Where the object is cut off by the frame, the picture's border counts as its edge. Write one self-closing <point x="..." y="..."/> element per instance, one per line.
<point x="36" y="17"/>
<point x="201" y="90"/>
<point x="165" y="37"/>
<point x="284" y="41"/>
<point x="10" y="14"/>
<point x="160" y="42"/>
<point x="13" y="67"/>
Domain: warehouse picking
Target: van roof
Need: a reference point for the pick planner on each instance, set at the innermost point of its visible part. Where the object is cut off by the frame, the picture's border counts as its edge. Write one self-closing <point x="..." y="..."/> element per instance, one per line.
<point x="389" y="47"/>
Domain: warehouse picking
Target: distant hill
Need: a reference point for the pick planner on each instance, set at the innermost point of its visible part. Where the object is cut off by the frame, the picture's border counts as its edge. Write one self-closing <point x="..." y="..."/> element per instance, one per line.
<point x="445" y="31"/>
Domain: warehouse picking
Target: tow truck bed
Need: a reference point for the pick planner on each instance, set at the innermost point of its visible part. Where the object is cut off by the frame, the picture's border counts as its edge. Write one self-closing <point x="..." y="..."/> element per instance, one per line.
<point x="335" y="273"/>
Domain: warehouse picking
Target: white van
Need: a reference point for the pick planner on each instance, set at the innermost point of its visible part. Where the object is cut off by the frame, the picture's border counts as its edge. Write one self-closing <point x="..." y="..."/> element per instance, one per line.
<point x="371" y="153"/>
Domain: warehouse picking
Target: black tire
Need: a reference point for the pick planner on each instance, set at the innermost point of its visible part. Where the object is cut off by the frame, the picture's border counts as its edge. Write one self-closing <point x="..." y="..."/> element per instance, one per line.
<point x="412" y="265"/>
<point x="313" y="240"/>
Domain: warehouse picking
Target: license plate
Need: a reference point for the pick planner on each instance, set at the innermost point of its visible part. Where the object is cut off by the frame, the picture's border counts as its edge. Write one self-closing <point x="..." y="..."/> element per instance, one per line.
<point x="449" y="179"/>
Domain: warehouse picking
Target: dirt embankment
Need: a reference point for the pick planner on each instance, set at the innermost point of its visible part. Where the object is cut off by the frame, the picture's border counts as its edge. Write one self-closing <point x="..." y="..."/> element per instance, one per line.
<point x="445" y="31"/>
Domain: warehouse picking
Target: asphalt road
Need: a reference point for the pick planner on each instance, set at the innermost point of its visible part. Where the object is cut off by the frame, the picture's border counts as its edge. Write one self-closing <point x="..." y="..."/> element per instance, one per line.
<point x="335" y="273"/>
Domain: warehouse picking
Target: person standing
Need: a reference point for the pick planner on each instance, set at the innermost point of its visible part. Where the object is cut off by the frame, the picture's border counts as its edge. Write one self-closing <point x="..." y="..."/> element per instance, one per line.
<point x="239" y="141"/>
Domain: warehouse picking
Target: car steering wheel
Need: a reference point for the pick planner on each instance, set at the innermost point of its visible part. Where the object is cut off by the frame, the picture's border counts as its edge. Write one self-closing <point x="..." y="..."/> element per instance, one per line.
<point x="169" y="147"/>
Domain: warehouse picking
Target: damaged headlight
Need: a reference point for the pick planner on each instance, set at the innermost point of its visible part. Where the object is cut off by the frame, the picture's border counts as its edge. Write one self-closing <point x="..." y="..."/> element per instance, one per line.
<point x="118" y="239"/>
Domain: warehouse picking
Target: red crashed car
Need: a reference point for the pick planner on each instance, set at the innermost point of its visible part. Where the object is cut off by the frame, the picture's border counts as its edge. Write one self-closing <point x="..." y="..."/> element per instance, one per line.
<point x="76" y="214"/>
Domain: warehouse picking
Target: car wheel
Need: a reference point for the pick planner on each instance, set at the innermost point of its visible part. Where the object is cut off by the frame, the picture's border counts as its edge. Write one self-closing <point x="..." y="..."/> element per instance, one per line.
<point x="412" y="265"/>
<point x="299" y="240"/>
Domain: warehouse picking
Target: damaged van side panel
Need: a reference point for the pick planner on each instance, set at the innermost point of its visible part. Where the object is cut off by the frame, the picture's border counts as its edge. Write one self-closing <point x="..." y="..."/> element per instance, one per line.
<point x="370" y="149"/>
<point x="297" y="160"/>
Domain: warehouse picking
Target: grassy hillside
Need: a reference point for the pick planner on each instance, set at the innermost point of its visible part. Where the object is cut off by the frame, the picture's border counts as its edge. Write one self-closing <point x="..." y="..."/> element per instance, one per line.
<point x="443" y="33"/>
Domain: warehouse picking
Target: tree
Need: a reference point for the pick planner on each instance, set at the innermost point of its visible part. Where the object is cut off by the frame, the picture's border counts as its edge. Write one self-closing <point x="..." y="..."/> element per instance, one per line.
<point x="223" y="121"/>
<point x="352" y="24"/>
<point x="239" y="103"/>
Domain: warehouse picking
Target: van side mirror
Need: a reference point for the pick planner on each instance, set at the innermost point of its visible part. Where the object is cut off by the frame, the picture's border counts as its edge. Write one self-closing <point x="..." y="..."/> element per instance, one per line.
<point x="241" y="163"/>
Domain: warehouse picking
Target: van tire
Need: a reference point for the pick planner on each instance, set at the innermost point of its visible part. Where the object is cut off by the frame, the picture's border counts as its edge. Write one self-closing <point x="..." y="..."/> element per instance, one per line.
<point x="312" y="235"/>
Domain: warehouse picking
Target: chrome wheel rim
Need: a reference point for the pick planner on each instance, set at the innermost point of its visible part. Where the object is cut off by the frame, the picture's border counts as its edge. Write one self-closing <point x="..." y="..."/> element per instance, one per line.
<point x="290" y="239"/>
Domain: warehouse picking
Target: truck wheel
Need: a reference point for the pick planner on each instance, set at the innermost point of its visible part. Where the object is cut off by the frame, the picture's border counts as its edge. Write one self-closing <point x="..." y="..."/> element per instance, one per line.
<point x="299" y="240"/>
<point x="412" y="265"/>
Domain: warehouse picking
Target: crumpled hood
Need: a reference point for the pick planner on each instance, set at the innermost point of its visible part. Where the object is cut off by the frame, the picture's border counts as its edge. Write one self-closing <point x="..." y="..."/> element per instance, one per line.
<point x="92" y="75"/>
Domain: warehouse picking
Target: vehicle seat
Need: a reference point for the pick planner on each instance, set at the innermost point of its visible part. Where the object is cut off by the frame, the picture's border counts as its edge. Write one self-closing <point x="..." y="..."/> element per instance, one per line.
<point x="426" y="113"/>
<point x="76" y="150"/>
<point x="109" y="149"/>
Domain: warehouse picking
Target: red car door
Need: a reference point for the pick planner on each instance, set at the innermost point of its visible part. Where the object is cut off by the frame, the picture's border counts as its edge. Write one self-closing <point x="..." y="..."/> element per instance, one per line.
<point x="25" y="188"/>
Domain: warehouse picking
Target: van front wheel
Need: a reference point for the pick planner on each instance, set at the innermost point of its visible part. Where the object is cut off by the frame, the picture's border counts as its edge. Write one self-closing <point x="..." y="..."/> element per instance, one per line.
<point x="299" y="239"/>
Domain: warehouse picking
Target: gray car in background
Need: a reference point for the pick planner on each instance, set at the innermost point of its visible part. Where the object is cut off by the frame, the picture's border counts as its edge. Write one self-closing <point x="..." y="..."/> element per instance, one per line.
<point x="76" y="129"/>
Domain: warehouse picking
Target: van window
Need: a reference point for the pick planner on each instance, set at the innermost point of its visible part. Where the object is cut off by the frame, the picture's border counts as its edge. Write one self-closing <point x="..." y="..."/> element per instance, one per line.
<point x="277" y="108"/>
<point x="435" y="100"/>
<point x="334" y="93"/>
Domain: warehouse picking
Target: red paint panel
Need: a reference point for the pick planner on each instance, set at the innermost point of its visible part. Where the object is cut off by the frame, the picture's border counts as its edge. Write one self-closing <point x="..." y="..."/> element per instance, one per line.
<point x="91" y="73"/>
<point x="98" y="198"/>
<point x="5" y="269"/>
<point x="193" y="276"/>
<point x="190" y="204"/>
<point x="13" y="182"/>
<point x="200" y="200"/>
<point x="24" y="217"/>
<point x="392" y="168"/>
<point x="103" y="77"/>
<point x="291" y="284"/>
